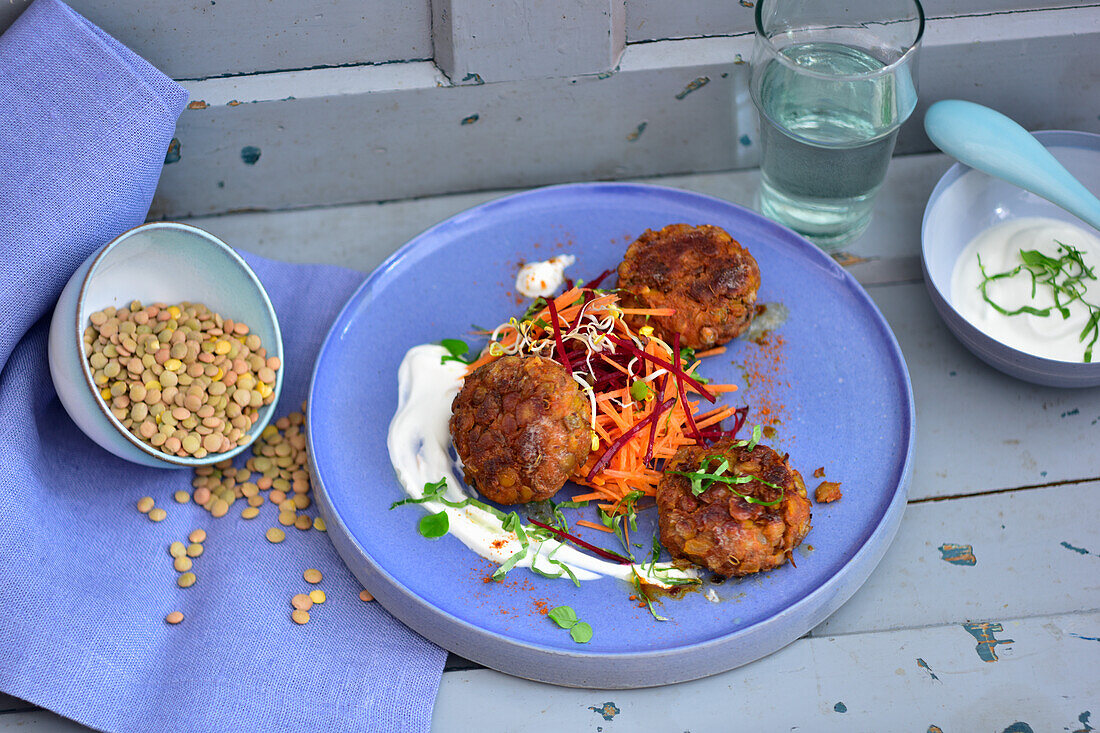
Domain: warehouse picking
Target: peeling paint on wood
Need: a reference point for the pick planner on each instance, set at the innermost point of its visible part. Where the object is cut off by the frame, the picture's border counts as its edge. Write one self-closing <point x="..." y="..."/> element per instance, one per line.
<point x="1019" y="727"/>
<point x="637" y="133"/>
<point x="1083" y="719"/>
<point x="471" y="119"/>
<point x="840" y="707"/>
<point x="697" y="83"/>
<point x="608" y="710"/>
<point x="1078" y="550"/>
<point x="934" y="729"/>
<point x="958" y="554"/>
<point x="196" y="104"/>
<point x="924" y="665"/>
<point x="250" y="154"/>
<point x="1086" y="638"/>
<point x="173" y="154"/>
<point x="983" y="631"/>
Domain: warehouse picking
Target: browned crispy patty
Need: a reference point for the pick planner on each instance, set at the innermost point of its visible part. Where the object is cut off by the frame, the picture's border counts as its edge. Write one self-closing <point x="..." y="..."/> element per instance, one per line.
<point x="701" y="272"/>
<point x="520" y="425"/>
<point x="719" y="530"/>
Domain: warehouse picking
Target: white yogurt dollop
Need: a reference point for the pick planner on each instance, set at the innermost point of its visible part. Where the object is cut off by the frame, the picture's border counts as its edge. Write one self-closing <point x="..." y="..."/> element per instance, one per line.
<point x="543" y="278"/>
<point x="419" y="442"/>
<point x="1050" y="337"/>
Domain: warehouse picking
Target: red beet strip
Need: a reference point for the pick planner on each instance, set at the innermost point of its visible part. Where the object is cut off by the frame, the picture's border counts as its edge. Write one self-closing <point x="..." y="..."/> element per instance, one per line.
<point x="676" y="371"/>
<point x="653" y="423"/>
<point x="693" y="429"/>
<point x="562" y="534"/>
<point x="562" y="356"/>
<point x="626" y="437"/>
<point x="597" y="280"/>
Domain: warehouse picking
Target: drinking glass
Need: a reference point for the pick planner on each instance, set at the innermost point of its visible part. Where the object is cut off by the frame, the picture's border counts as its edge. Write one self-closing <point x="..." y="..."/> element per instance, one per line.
<point x="832" y="83"/>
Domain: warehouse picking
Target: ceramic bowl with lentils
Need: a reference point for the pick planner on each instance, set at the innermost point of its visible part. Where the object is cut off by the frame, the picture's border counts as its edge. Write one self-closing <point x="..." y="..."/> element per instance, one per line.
<point x="165" y="349"/>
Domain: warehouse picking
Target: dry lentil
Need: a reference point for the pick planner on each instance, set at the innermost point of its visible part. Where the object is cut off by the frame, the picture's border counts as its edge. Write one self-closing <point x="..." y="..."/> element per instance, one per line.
<point x="157" y="514"/>
<point x="220" y="508"/>
<point x="250" y="513"/>
<point x="287" y="518"/>
<point x="364" y="595"/>
<point x="299" y="616"/>
<point x="174" y="618"/>
<point x="194" y="549"/>
<point x="176" y="549"/>
<point x="182" y="497"/>
<point x="182" y="564"/>
<point x="173" y="363"/>
<point x="319" y="524"/>
<point x="144" y="504"/>
<point x="302" y="602"/>
<point x="186" y="580"/>
<point x="198" y="535"/>
<point x="312" y="576"/>
<point x="317" y="595"/>
<point x="275" y="535"/>
<point x="303" y="522"/>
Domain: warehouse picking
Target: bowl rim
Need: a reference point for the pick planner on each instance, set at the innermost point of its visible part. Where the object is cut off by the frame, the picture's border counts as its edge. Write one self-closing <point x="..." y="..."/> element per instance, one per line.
<point x="1048" y="139"/>
<point x="101" y="404"/>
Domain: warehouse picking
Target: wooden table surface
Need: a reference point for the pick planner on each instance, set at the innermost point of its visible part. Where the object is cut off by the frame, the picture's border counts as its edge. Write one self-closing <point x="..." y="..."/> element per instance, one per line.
<point x="984" y="614"/>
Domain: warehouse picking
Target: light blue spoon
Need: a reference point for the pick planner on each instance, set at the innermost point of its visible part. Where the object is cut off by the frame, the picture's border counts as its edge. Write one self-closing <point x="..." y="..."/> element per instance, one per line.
<point x="985" y="139"/>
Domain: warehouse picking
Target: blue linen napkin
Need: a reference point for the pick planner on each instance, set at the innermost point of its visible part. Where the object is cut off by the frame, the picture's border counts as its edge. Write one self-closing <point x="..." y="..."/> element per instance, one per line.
<point x="85" y="580"/>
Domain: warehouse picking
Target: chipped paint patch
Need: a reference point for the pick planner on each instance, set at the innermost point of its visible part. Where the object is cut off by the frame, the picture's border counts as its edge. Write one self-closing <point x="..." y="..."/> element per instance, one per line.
<point x="1019" y="728"/>
<point x="250" y="154"/>
<point x="840" y="708"/>
<point x="471" y="119"/>
<point x="737" y="60"/>
<point x="745" y="140"/>
<point x="473" y="78"/>
<point x="924" y="665"/>
<point x="608" y="710"/>
<point x="847" y="259"/>
<point x="173" y="154"/>
<point x="748" y="4"/>
<point x="1083" y="719"/>
<point x="197" y="104"/>
<point x="1078" y="550"/>
<point x="983" y="631"/>
<point x="637" y="131"/>
<point x="1086" y="638"/>
<point x="958" y="554"/>
<point x="1069" y="413"/>
<point x="698" y="83"/>
<point x="604" y="75"/>
<point x="232" y="103"/>
<point x="934" y="729"/>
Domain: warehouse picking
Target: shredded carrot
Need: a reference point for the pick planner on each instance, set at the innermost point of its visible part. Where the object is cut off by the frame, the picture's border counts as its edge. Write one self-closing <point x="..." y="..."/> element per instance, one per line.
<point x="593" y="525"/>
<point x="619" y="411"/>
<point x="711" y="352"/>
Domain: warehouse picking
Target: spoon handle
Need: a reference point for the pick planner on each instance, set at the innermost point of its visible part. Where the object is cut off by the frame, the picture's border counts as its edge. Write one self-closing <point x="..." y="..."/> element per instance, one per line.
<point x="985" y="139"/>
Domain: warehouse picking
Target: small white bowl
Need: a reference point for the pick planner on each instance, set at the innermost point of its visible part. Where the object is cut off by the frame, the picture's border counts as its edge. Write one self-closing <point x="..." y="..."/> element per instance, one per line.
<point x="965" y="203"/>
<point x="160" y="262"/>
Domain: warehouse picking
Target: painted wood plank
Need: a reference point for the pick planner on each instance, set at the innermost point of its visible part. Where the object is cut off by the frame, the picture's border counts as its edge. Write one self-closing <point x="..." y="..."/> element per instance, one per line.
<point x="930" y="679"/>
<point x="1023" y="553"/>
<point x="656" y="20"/>
<point x="335" y="136"/>
<point x="479" y="41"/>
<point x="193" y="39"/>
<point x="978" y="429"/>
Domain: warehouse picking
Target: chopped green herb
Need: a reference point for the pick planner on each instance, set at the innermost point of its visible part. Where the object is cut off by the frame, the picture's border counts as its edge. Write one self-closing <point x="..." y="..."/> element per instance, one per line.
<point x="1064" y="277"/>
<point x="704" y="478"/>
<point x="636" y="580"/>
<point x="434" y="525"/>
<point x="757" y="431"/>
<point x="512" y="523"/>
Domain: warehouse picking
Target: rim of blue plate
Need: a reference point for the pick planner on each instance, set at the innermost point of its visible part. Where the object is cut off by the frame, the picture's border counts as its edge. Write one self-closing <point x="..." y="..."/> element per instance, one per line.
<point x="269" y="409"/>
<point x="887" y="523"/>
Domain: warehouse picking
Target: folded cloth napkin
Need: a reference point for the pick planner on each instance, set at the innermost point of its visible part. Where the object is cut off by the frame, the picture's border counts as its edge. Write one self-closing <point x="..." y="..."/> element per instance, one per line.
<point x="86" y="581"/>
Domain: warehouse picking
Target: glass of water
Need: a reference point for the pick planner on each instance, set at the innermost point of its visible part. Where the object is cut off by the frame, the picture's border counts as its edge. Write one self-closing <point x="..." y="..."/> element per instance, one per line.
<point x="832" y="83"/>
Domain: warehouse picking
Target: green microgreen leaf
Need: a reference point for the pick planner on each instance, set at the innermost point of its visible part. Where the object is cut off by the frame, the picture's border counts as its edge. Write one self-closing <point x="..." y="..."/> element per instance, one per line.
<point x="563" y="616"/>
<point x="456" y="348"/>
<point x="581" y="632"/>
<point x="640" y="391"/>
<point x="636" y="581"/>
<point x="434" y="525"/>
<point x="704" y="478"/>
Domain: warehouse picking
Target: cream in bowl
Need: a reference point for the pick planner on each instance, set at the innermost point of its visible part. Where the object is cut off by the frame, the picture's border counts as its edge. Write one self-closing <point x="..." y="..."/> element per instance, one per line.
<point x="1032" y="284"/>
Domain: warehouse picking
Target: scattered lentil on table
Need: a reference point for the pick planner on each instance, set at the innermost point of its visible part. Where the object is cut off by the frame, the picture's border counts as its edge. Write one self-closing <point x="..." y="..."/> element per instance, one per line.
<point x="317" y="595"/>
<point x="157" y="514"/>
<point x="186" y="580"/>
<point x="313" y="576"/>
<point x="144" y="504"/>
<point x="301" y="601"/>
<point x="174" y="618"/>
<point x="300" y="616"/>
<point x="364" y="595"/>
<point x="181" y="378"/>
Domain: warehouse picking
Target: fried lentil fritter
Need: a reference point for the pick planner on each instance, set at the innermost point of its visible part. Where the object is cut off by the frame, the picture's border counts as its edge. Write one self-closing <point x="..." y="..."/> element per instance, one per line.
<point x="701" y="272"/>
<point x="520" y="425"/>
<point x="719" y="530"/>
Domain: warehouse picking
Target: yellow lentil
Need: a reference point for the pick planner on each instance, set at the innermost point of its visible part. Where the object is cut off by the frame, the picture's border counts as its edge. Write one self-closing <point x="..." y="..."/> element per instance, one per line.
<point x="182" y="564"/>
<point x="287" y="518"/>
<point x="220" y="508"/>
<point x="144" y="504"/>
<point x="317" y="595"/>
<point x="303" y="522"/>
<point x="319" y="524"/>
<point x="186" y="580"/>
<point x="275" y="535"/>
<point x="182" y="497"/>
<point x="312" y="576"/>
<point x="250" y="513"/>
<point x="176" y="549"/>
<point x="194" y="549"/>
<point x="157" y="514"/>
<point x="299" y="616"/>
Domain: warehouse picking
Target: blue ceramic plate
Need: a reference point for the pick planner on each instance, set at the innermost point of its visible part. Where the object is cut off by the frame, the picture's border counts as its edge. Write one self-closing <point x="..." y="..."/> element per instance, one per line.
<point x="832" y="376"/>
